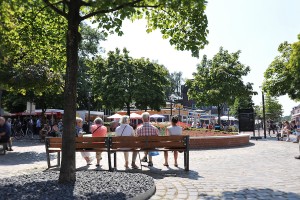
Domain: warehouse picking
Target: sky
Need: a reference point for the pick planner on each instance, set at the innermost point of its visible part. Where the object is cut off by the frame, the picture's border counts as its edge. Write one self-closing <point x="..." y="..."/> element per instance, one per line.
<point x="256" y="27"/>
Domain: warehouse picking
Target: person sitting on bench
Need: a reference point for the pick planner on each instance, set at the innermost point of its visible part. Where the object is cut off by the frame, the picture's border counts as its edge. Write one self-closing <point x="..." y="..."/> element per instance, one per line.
<point x="173" y="130"/>
<point x="4" y="132"/>
<point x="146" y="130"/>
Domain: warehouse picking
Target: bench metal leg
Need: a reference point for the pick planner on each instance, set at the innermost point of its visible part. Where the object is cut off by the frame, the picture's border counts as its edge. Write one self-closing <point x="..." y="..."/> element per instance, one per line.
<point x="115" y="161"/>
<point x="109" y="160"/>
<point x="48" y="160"/>
<point x="184" y="159"/>
<point x="58" y="159"/>
<point x="187" y="168"/>
<point x="140" y="161"/>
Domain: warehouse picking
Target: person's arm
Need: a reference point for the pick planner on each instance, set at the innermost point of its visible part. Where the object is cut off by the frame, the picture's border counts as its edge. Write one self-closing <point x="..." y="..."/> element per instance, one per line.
<point x="132" y="132"/>
<point x="2" y="134"/>
<point x="167" y="131"/>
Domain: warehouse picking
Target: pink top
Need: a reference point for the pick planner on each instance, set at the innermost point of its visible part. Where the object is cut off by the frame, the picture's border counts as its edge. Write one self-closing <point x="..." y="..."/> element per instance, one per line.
<point x="98" y="130"/>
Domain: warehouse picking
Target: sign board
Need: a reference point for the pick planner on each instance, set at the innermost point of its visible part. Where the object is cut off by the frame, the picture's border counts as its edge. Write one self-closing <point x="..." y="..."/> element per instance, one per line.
<point x="246" y="119"/>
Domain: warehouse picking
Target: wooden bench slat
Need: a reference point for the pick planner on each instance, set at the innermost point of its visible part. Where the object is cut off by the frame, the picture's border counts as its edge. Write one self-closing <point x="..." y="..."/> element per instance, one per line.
<point x="147" y="138"/>
<point x="90" y="145"/>
<point x="147" y="145"/>
<point x="55" y="145"/>
<point x="90" y="139"/>
<point x="54" y="139"/>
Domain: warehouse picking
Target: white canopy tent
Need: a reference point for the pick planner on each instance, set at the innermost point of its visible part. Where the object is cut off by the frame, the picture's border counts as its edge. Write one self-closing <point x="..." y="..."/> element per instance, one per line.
<point x="230" y="118"/>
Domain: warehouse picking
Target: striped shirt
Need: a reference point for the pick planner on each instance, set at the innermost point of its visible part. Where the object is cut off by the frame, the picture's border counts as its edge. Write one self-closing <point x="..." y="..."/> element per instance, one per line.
<point x="147" y="130"/>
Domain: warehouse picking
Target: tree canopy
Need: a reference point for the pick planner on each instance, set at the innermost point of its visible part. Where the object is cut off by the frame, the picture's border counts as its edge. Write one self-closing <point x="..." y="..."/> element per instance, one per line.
<point x="120" y="80"/>
<point x="219" y="81"/>
<point x="282" y="76"/>
<point x="273" y="108"/>
<point x="32" y="46"/>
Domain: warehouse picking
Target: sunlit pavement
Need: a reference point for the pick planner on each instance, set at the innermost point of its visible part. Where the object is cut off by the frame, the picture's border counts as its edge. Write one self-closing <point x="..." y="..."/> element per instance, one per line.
<point x="266" y="169"/>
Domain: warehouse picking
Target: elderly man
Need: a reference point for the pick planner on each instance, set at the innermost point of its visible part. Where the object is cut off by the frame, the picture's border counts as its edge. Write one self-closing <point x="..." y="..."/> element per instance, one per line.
<point x="5" y="132"/>
<point x="146" y="130"/>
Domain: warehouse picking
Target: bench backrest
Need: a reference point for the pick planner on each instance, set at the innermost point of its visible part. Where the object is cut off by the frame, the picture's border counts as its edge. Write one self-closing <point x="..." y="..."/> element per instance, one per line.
<point x="81" y="142"/>
<point x="149" y="142"/>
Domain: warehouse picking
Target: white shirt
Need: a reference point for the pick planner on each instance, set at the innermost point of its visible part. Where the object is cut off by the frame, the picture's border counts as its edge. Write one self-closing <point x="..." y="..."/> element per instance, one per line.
<point x="124" y="130"/>
<point x="175" y="130"/>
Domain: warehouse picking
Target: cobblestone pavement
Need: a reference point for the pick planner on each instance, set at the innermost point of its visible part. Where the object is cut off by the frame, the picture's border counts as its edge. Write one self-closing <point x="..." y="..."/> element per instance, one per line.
<point x="266" y="169"/>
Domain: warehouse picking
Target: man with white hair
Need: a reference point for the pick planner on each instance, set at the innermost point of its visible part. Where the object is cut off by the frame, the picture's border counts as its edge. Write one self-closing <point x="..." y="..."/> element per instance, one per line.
<point x="147" y="129"/>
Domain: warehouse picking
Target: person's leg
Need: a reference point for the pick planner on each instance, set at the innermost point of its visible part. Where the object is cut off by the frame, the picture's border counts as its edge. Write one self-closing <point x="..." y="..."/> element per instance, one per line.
<point x="298" y="157"/>
<point x="98" y="157"/>
<point x="126" y="154"/>
<point x="150" y="163"/>
<point x="175" y="158"/>
<point x="86" y="156"/>
<point x="134" y="155"/>
<point x="166" y="158"/>
<point x="144" y="159"/>
<point x="9" y="144"/>
<point x="288" y="136"/>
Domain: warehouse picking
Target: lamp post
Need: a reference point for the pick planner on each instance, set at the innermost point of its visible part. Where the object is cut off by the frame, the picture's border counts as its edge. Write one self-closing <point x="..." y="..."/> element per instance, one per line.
<point x="89" y="109"/>
<point x="264" y="114"/>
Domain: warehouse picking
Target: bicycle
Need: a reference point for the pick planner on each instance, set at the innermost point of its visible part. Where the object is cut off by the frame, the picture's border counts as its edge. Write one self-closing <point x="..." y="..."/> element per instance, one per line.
<point x="19" y="133"/>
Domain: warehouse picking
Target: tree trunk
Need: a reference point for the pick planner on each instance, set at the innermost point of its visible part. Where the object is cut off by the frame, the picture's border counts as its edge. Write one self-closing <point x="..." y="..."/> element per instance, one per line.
<point x="68" y="165"/>
<point x="219" y="115"/>
<point x="1" y="102"/>
<point x="128" y="108"/>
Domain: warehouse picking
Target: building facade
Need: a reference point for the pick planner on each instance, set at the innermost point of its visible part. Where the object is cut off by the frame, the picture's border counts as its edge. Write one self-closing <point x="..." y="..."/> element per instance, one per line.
<point x="295" y="113"/>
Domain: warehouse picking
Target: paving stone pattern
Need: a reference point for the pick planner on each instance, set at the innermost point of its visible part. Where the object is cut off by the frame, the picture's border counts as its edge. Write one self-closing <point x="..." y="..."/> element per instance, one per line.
<point x="266" y="169"/>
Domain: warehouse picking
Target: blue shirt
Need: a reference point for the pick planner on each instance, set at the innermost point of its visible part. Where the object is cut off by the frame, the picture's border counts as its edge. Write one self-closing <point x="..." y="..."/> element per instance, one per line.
<point x="5" y="128"/>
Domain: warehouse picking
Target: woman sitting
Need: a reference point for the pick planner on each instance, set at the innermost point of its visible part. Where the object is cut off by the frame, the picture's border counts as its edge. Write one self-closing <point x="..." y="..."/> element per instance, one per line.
<point x="44" y="132"/>
<point x="173" y="130"/>
<point x="286" y="130"/>
<point x="98" y="130"/>
<point x="125" y="130"/>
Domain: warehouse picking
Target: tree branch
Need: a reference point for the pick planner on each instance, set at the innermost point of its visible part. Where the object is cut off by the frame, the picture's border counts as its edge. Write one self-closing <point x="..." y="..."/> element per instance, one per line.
<point x="60" y="12"/>
<point x="129" y="4"/>
<point x="84" y="3"/>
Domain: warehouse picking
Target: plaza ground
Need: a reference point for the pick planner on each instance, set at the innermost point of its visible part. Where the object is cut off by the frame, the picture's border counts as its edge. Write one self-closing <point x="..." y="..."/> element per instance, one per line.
<point x="266" y="169"/>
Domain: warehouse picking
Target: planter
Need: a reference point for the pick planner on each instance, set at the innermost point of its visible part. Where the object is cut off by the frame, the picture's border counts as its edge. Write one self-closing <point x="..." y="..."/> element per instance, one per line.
<point x="207" y="142"/>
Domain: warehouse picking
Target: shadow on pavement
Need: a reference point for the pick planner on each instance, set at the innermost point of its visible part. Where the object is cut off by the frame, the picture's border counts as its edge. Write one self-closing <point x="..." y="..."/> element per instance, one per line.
<point x="27" y="143"/>
<point x="253" y="193"/>
<point x="16" y="158"/>
<point x="251" y="144"/>
<point x="161" y="174"/>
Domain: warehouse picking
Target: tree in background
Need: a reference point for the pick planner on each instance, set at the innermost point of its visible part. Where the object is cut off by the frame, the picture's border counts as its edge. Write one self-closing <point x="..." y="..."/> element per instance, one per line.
<point x="89" y="49"/>
<point x="119" y="81"/>
<point x="219" y="81"/>
<point x="151" y="81"/>
<point x="282" y="76"/>
<point x="176" y="79"/>
<point x="241" y="103"/>
<point x="273" y="108"/>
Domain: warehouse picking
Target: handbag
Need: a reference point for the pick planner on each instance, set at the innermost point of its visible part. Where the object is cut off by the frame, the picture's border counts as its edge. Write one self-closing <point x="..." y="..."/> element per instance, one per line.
<point x="153" y="153"/>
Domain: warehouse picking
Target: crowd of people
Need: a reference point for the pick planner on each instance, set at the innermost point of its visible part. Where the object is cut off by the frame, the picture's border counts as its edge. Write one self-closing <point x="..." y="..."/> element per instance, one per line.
<point x="285" y="128"/>
<point x="125" y="129"/>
